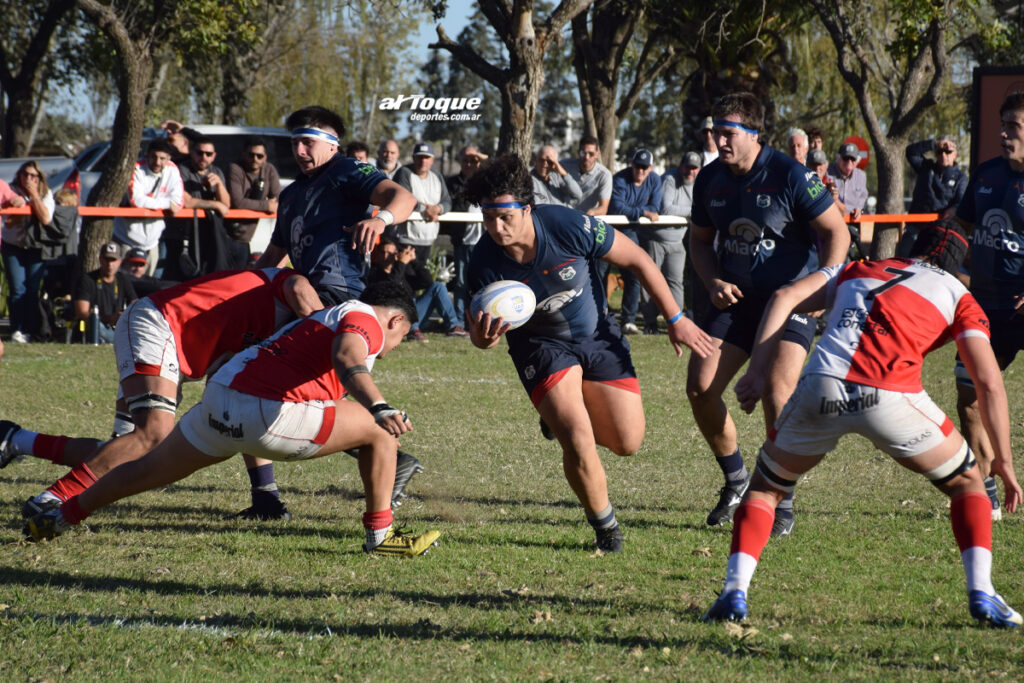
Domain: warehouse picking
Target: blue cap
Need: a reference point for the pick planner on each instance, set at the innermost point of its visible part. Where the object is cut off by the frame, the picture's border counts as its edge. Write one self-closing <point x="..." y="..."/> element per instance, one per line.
<point x="642" y="157"/>
<point x="423" y="149"/>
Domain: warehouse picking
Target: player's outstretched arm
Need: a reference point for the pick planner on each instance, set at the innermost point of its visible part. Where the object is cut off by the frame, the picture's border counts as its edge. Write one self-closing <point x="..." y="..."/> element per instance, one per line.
<point x="390" y="197"/>
<point x="350" y="365"/>
<point x="806" y="294"/>
<point x="980" y="361"/>
<point x="300" y="296"/>
<point x="682" y="331"/>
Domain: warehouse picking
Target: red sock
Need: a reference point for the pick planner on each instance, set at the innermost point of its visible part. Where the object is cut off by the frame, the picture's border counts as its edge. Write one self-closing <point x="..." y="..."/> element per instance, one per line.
<point x="74" y="482"/>
<point x="50" y="448"/>
<point x="971" y="514"/>
<point x="381" y="519"/>
<point x="751" y="527"/>
<point x="72" y="512"/>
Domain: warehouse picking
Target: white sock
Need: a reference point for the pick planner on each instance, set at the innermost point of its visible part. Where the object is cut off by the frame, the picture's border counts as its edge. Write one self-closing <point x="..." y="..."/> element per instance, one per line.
<point x="22" y="441"/>
<point x="977" y="563"/>
<point x="374" y="537"/>
<point x="46" y="496"/>
<point x="739" y="572"/>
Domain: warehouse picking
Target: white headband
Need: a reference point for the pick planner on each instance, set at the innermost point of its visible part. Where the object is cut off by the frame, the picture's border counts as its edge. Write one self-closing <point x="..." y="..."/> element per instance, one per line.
<point x="316" y="133"/>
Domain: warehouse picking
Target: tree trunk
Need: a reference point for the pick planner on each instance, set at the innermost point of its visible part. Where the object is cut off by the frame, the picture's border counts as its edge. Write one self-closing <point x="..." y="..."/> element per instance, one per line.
<point x="519" y="96"/>
<point x="18" y="124"/>
<point x="889" y="157"/>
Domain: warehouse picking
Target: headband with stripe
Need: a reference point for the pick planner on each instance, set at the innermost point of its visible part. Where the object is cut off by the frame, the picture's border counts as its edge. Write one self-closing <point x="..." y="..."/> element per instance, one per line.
<point x="316" y="133"/>
<point x="503" y="205"/>
<point x="734" y="124"/>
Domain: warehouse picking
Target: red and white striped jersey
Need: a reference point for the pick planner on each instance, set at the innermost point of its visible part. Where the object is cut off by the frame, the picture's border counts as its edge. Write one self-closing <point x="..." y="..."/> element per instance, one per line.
<point x="887" y="316"/>
<point x="296" y="364"/>
<point x="223" y="313"/>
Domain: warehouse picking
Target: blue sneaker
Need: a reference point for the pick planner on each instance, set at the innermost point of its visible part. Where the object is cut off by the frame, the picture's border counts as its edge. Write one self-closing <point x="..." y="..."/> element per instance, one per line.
<point x="992" y="610"/>
<point x="731" y="606"/>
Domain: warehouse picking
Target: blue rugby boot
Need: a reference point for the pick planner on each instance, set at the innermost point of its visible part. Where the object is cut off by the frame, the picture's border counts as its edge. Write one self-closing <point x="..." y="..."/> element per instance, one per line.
<point x="731" y="606"/>
<point x="992" y="610"/>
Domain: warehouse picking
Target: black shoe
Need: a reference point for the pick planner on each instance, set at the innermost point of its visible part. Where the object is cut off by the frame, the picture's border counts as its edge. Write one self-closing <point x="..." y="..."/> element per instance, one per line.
<point x="782" y="526"/>
<point x="546" y="431"/>
<point x="729" y="498"/>
<point x="609" y="540"/>
<point x="7" y="454"/>
<point x="407" y="466"/>
<point x="265" y="508"/>
<point x="30" y="508"/>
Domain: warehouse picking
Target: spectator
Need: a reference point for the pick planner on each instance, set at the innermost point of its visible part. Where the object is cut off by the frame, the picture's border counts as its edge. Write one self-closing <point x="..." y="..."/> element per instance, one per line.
<point x="398" y="264"/>
<point x="815" y="138"/>
<point x="107" y="288"/>
<point x="552" y="184"/>
<point x="358" y="150"/>
<point x="155" y="184"/>
<point x="850" y="181"/>
<point x="464" y="235"/>
<point x="180" y="138"/>
<point x="23" y="262"/>
<point x="709" y="150"/>
<point x="636" y="193"/>
<point x="940" y="184"/>
<point x="797" y="145"/>
<point x="432" y="199"/>
<point x="134" y="264"/>
<point x="58" y="241"/>
<point x="594" y="179"/>
<point x="253" y="184"/>
<point x="667" y="246"/>
<point x="205" y="188"/>
<point x="817" y="161"/>
<point x="387" y="158"/>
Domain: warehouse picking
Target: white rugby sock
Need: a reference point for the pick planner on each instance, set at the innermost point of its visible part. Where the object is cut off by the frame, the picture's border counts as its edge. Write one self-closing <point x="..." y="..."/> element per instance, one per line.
<point x="978" y="568"/>
<point x="739" y="572"/>
<point x="22" y="441"/>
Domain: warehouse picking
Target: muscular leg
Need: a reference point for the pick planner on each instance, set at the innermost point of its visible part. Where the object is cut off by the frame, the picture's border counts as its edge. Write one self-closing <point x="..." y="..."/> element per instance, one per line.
<point x="974" y="432"/>
<point x="354" y="427"/>
<point x="706" y="382"/>
<point x="616" y="416"/>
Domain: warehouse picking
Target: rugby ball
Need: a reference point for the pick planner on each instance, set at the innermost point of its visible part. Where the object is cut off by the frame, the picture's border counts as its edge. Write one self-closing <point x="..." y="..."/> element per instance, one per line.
<point x="510" y="300"/>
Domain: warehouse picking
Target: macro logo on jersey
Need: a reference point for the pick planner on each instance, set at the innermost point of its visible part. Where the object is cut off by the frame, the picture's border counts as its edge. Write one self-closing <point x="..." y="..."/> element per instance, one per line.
<point x="999" y="233"/>
<point x="745" y="238"/>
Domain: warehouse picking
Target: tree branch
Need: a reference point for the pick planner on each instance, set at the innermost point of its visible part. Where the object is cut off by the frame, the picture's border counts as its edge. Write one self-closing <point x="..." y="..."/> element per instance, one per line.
<point x="642" y="78"/>
<point x="469" y="58"/>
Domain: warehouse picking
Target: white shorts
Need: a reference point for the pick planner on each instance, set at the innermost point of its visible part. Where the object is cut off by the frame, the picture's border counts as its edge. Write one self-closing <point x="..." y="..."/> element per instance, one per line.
<point x="144" y="344"/>
<point x="226" y="422"/>
<point x="824" y="408"/>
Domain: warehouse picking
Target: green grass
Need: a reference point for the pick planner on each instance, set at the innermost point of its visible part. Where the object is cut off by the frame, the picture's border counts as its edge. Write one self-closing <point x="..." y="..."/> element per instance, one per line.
<point x="163" y="587"/>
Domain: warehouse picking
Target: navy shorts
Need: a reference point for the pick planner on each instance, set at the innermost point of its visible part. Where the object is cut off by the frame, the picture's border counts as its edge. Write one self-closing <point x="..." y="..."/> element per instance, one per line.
<point x="1007" y="336"/>
<point x="738" y="324"/>
<point x="604" y="357"/>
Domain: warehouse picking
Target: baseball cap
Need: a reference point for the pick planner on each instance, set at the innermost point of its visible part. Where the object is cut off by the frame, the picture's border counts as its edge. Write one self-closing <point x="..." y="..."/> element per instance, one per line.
<point x="692" y="159"/>
<point x="849" y="151"/>
<point x="816" y="157"/>
<point x="423" y="149"/>
<point x="110" y="250"/>
<point x="709" y="123"/>
<point x="642" y="157"/>
<point x="136" y="256"/>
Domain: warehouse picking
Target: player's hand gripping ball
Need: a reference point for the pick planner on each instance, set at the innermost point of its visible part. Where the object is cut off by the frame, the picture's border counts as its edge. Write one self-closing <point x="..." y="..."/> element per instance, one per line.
<point x="510" y="300"/>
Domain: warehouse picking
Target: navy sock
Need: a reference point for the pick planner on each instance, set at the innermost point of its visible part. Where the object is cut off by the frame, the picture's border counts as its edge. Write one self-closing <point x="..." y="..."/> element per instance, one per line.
<point x="261" y="479"/>
<point x="605" y="519"/>
<point x="785" y="507"/>
<point x="990" y="489"/>
<point x="733" y="468"/>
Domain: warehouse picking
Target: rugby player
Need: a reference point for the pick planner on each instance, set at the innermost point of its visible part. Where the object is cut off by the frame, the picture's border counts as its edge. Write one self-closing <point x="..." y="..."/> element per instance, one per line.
<point x="864" y="377"/>
<point x="773" y="222"/>
<point x="571" y="356"/>
<point x="284" y="399"/>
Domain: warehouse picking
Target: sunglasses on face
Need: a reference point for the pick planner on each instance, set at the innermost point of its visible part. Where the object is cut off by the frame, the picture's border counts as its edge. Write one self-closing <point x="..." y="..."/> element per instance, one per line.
<point x="256" y="155"/>
<point x="30" y="174"/>
<point x="204" y="153"/>
<point x="947" y="151"/>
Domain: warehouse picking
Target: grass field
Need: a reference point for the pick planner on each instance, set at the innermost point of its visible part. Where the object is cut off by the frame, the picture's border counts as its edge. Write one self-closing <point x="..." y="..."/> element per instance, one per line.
<point x="163" y="587"/>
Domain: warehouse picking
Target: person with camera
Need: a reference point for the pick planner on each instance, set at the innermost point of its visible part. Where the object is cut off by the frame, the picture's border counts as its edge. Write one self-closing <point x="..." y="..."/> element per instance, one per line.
<point x="253" y="184"/>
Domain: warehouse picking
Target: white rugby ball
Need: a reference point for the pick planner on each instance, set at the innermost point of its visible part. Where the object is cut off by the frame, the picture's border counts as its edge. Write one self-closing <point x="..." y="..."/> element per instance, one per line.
<point x="508" y="299"/>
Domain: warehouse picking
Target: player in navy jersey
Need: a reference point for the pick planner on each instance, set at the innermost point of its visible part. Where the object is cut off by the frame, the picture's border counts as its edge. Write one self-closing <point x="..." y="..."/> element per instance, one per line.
<point x="993" y="208"/>
<point x="864" y="377"/>
<point x="773" y="222"/>
<point x="322" y="228"/>
<point x="571" y="355"/>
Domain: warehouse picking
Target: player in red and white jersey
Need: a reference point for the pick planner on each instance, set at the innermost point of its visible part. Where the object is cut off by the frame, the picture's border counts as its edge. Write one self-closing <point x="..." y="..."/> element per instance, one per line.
<point x="285" y="400"/>
<point x="864" y="377"/>
<point x="178" y="333"/>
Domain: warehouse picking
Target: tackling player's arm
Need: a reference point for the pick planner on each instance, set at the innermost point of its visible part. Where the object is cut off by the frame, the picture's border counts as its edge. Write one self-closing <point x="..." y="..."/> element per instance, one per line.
<point x="705" y="261"/>
<point x="806" y="294"/>
<point x="624" y="253"/>
<point x="273" y="257"/>
<point x="977" y="356"/>
<point x="390" y="197"/>
<point x="833" y="235"/>
<point x="300" y="295"/>
<point x="349" y="360"/>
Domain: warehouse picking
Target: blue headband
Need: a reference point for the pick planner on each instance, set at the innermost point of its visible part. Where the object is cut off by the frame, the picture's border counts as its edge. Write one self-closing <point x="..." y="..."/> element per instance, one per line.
<point x="315" y="133"/>
<point x="503" y="205"/>
<point x="733" y="124"/>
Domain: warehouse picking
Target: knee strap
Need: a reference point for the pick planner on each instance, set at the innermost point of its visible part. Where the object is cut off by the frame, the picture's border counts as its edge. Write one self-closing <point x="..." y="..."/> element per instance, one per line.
<point x="775" y="474"/>
<point x="150" y="401"/>
<point x="957" y="464"/>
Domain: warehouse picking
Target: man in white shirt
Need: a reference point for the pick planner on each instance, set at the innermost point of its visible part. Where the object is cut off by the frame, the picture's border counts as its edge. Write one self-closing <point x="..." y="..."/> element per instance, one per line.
<point x="432" y="199"/>
<point x="594" y="179"/>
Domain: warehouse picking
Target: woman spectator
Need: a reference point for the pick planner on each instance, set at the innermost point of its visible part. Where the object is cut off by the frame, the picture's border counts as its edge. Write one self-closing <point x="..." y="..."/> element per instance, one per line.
<point x="23" y="264"/>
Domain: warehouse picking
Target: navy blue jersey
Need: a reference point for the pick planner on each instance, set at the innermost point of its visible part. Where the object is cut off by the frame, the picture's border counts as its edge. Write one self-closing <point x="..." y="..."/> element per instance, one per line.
<point x="313" y="221"/>
<point x="570" y="299"/>
<point x="994" y="203"/>
<point x="762" y="219"/>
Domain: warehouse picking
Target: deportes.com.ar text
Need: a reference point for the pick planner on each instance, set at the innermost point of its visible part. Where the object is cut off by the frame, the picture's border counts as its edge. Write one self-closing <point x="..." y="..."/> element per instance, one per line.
<point x="438" y="116"/>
